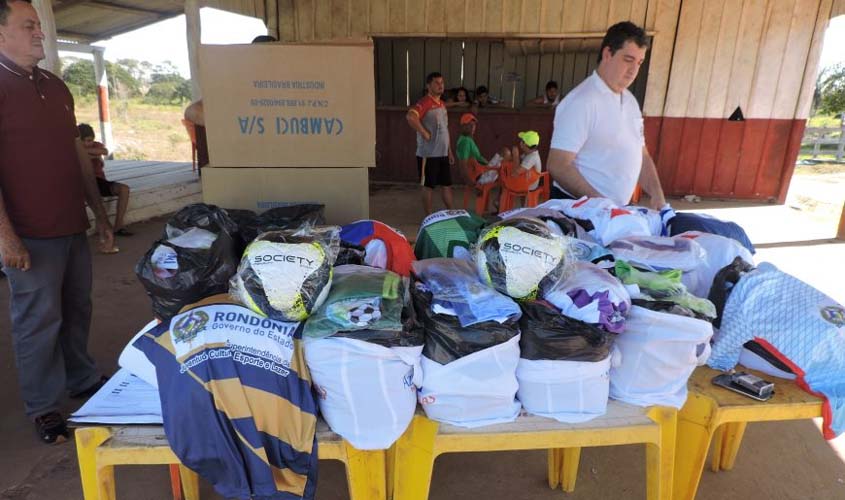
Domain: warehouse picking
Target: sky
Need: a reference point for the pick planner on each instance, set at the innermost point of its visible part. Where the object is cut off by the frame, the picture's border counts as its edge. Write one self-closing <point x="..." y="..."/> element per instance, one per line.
<point x="165" y="40"/>
<point x="834" y="43"/>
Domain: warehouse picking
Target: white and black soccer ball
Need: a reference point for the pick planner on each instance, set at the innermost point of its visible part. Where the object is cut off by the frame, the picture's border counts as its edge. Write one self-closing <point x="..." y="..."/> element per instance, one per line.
<point x="517" y="255"/>
<point x="283" y="276"/>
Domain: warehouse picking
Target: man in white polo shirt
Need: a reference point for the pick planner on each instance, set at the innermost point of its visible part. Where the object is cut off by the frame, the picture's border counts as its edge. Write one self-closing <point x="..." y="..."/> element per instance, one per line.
<point x="598" y="147"/>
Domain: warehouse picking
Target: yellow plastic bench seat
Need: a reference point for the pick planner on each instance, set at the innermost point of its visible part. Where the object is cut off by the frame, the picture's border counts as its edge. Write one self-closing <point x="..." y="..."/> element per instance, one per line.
<point x="712" y="413"/>
<point x="414" y="453"/>
<point x="101" y="448"/>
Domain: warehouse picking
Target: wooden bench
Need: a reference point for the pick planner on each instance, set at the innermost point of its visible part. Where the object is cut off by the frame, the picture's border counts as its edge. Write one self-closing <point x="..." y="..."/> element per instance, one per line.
<point x="414" y="453"/>
<point x="715" y="414"/>
<point x="101" y="448"/>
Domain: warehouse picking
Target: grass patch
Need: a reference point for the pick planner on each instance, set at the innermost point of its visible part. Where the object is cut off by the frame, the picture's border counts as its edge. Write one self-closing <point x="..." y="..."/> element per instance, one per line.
<point x="141" y="131"/>
<point x="824" y="121"/>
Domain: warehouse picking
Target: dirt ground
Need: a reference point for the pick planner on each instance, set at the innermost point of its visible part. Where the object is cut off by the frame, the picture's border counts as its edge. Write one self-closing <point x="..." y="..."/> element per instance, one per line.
<point x="788" y="460"/>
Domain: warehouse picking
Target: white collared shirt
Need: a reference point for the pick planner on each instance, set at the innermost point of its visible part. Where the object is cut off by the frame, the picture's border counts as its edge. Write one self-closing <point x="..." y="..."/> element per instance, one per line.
<point x="605" y="131"/>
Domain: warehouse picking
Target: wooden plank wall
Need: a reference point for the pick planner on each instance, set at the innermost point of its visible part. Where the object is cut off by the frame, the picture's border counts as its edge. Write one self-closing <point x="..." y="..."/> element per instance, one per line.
<point x="322" y="19"/>
<point x="252" y="8"/>
<point x="754" y="54"/>
<point x="485" y="62"/>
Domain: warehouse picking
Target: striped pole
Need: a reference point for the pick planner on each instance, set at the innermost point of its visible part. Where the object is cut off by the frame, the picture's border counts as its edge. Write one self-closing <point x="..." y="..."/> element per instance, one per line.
<point x="103" y="99"/>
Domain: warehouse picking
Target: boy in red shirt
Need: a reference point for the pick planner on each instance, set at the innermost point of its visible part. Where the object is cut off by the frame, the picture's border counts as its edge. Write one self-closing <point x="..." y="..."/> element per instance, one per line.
<point x="96" y="151"/>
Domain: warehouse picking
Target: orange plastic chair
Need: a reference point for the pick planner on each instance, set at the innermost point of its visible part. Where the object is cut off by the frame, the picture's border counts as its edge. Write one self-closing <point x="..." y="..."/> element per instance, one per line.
<point x="638" y="191"/>
<point x="517" y="186"/>
<point x="475" y="171"/>
<point x="192" y="133"/>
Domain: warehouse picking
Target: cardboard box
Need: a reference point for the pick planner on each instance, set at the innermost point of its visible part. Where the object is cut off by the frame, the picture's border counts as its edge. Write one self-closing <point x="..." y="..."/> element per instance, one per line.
<point x="344" y="191"/>
<point x="280" y="105"/>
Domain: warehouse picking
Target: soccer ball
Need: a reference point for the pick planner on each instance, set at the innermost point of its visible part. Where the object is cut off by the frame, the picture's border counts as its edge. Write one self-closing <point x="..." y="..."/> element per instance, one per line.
<point x="363" y="315"/>
<point x="283" y="276"/>
<point x="516" y="255"/>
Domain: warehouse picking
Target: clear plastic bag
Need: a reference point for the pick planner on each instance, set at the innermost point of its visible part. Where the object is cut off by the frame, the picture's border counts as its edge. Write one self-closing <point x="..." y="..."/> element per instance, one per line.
<point x="519" y="256"/>
<point x="455" y="285"/>
<point x="285" y="275"/>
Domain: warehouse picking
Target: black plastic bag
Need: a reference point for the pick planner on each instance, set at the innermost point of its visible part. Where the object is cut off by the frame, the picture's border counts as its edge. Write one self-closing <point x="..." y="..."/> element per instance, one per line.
<point x="284" y="218"/>
<point x="723" y="283"/>
<point x="242" y="218"/>
<point x="567" y="225"/>
<point x="199" y="215"/>
<point x="201" y="272"/>
<point x="350" y="253"/>
<point x="447" y="341"/>
<point x="668" y="307"/>
<point x="548" y="334"/>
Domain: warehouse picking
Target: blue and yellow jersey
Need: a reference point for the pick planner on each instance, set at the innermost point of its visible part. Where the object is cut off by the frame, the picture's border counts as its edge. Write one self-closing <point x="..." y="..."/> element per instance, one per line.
<point x="236" y="399"/>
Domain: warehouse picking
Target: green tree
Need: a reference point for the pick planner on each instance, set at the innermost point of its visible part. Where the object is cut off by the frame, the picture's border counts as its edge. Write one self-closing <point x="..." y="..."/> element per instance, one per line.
<point x="79" y="74"/>
<point x="832" y="90"/>
<point x="167" y="86"/>
<point x="121" y="81"/>
<point x="161" y="92"/>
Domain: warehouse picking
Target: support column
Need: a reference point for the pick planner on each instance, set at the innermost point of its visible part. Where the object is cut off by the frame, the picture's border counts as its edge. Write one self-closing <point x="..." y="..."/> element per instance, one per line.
<point x="194" y="36"/>
<point x="102" y="79"/>
<point x="51" y="62"/>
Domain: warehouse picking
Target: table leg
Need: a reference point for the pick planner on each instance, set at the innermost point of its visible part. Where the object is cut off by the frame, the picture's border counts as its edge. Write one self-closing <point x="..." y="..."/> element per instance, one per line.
<point x="694" y="433"/>
<point x="87" y="441"/>
<point x="570" y="459"/>
<point x="554" y="459"/>
<point x="732" y="440"/>
<point x="414" y="460"/>
<point x="660" y="456"/>
<point x="190" y="483"/>
<point x="365" y="471"/>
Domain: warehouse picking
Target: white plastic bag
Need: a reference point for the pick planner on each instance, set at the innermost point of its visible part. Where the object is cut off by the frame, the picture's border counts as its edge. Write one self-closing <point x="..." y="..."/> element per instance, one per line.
<point x="659" y="252"/>
<point x="657" y="354"/>
<point x="475" y="390"/>
<point x="367" y="393"/>
<point x="721" y="251"/>
<point x="567" y="391"/>
<point x="610" y="221"/>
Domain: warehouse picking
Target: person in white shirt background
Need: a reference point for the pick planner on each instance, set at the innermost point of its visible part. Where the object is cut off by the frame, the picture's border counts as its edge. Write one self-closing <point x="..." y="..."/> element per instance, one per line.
<point x="598" y="144"/>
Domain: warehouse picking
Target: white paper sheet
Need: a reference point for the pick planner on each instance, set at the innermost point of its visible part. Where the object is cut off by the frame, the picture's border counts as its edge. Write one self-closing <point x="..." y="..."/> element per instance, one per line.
<point x="125" y="399"/>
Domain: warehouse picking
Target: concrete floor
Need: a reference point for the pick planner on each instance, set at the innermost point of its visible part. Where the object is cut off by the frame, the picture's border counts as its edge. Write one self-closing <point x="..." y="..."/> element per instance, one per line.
<point x="788" y="460"/>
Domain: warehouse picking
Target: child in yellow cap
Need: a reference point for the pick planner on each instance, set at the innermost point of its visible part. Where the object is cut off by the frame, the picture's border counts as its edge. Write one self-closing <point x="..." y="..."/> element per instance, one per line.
<point x="528" y="153"/>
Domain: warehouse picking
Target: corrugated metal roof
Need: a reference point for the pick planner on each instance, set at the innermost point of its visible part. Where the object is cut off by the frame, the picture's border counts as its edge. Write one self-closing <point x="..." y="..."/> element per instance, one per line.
<point x="91" y="20"/>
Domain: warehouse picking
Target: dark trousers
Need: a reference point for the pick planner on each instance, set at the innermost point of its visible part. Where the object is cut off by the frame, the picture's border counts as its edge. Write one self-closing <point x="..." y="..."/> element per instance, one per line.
<point x="51" y="317"/>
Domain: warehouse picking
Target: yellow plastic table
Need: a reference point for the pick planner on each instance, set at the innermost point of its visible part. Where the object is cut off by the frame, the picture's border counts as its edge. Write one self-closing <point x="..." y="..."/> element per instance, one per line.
<point x="712" y="413"/>
<point x="100" y="448"/>
<point x="414" y="453"/>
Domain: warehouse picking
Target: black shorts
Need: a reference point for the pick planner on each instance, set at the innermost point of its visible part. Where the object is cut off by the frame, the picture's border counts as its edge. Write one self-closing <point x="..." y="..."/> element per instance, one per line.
<point x="105" y="187"/>
<point x="437" y="171"/>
